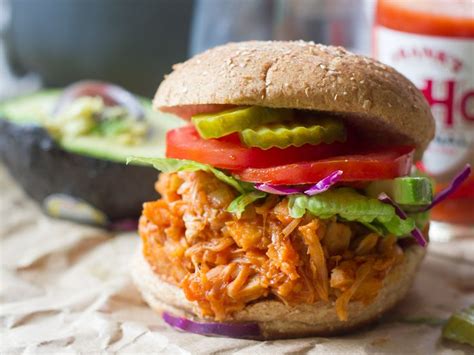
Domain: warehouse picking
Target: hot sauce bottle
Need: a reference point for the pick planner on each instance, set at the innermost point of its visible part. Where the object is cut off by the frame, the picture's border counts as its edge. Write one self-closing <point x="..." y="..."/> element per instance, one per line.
<point x="432" y="43"/>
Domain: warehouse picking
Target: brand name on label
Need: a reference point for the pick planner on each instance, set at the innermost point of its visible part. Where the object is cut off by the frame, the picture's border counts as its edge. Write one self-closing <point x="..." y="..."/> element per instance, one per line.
<point x="454" y="63"/>
<point x="442" y="68"/>
<point x="442" y="93"/>
<point x="454" y="100"/>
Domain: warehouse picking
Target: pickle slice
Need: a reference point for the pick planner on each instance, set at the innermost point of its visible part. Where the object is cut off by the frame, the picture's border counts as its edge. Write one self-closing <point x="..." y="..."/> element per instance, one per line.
<point x="282" y="135"/>
<point x="215" y="125"/>
<point x="460" y="326"/>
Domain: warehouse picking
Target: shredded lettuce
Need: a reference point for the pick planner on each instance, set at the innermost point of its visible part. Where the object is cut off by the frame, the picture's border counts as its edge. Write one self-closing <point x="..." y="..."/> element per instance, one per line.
<point x="348" y="204"/>
<point x="169" y="165"/>
<point x="237" y="206"/>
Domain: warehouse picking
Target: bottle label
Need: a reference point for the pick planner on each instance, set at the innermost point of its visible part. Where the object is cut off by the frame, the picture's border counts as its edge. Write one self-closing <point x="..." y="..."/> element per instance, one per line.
<point x="443" y="69"/>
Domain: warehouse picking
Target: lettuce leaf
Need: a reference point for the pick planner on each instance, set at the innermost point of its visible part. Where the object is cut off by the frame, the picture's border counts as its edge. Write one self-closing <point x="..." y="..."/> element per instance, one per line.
<point x="238" y="205"/>
<point x="348" y="204"/>
<point x="248" y="194"/>
<point x="170" y="165"/>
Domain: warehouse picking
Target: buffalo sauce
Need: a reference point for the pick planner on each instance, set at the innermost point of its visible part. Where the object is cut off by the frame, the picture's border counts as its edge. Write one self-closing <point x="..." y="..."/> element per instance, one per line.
<point x="432" y="43"/>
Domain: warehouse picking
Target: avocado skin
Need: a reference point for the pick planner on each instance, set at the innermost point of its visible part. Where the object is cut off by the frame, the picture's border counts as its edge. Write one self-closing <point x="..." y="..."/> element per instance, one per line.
<point x="42" y="168"/>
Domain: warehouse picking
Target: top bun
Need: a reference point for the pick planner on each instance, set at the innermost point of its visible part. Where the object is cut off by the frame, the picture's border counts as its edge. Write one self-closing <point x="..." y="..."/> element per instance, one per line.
<point x="302" y="75"/>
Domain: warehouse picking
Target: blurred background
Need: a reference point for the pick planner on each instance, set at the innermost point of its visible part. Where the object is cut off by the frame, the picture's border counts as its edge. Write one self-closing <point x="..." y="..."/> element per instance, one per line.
<point x="52" y="43"/>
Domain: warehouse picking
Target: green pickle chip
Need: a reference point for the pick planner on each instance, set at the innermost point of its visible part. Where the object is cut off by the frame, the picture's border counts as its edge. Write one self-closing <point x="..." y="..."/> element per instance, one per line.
<point x="460" y="326"/>
<point x="222" y="123"/>
<point x="284" y="134"/>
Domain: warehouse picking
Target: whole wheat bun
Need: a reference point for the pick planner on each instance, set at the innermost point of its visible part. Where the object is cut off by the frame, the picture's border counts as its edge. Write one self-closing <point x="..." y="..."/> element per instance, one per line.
<point x="301" y="75"/>
<point x="276" y="320"/>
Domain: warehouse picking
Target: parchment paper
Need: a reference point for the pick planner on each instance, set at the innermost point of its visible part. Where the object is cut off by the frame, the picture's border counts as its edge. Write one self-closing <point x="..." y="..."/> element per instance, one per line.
<point x="65" y="288"/>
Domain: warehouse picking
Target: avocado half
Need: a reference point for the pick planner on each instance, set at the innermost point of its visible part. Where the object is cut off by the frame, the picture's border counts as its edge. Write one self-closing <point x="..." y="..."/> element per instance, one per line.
<point x="88" y="168"/>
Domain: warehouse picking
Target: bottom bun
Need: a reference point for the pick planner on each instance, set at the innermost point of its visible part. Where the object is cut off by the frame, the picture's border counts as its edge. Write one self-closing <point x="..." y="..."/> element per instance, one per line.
<point x="277" y="320"/>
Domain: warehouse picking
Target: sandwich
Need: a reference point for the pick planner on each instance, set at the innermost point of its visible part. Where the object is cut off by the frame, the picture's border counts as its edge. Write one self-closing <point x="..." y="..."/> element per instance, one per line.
<point x="289" y="203"/>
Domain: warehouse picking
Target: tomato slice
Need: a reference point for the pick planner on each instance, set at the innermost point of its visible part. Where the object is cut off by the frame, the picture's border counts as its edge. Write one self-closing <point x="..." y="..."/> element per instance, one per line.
<point x="384" y="163"/>
<point x="229" y="153"/>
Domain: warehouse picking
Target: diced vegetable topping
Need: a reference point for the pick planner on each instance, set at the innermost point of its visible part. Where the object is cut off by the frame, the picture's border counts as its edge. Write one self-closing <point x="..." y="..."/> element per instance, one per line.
<point x="215" y="125"/>
<point x="295" y="133"/>
<point x="460" y="326"/>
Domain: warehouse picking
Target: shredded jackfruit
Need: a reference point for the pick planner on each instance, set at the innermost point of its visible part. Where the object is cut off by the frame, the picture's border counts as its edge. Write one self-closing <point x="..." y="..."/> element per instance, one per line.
<point x="223" y="263"/>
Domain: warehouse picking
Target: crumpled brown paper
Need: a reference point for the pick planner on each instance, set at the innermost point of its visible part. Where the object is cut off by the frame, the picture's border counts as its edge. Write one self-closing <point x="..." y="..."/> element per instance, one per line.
<point x="65" y="288"/>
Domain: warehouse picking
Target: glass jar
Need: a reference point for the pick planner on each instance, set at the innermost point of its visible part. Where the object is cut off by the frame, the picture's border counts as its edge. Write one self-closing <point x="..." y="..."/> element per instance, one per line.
<point x="432" y="43"/>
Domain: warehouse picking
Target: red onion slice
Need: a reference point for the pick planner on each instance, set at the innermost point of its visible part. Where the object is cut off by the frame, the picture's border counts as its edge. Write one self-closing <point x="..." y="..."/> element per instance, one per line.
<point x="315" y="189"/>
<point x="112" y="95"/>
<point x="232" y="330"/>
<point x="324" y="184"/>
<point x="278" y="189"/>
<point x="416" y="233"/>
<point x="453" y="186"/>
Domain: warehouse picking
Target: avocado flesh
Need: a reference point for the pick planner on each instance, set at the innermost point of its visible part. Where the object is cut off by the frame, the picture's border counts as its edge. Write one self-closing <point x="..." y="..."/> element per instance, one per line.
<point x="33" y="109"/>
<point x="91" y="169"/>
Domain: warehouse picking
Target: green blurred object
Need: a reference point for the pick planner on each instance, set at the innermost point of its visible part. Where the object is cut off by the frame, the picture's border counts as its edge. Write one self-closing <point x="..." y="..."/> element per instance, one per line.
<point x="83" y="177"/>
<point x="460" y="326"/>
